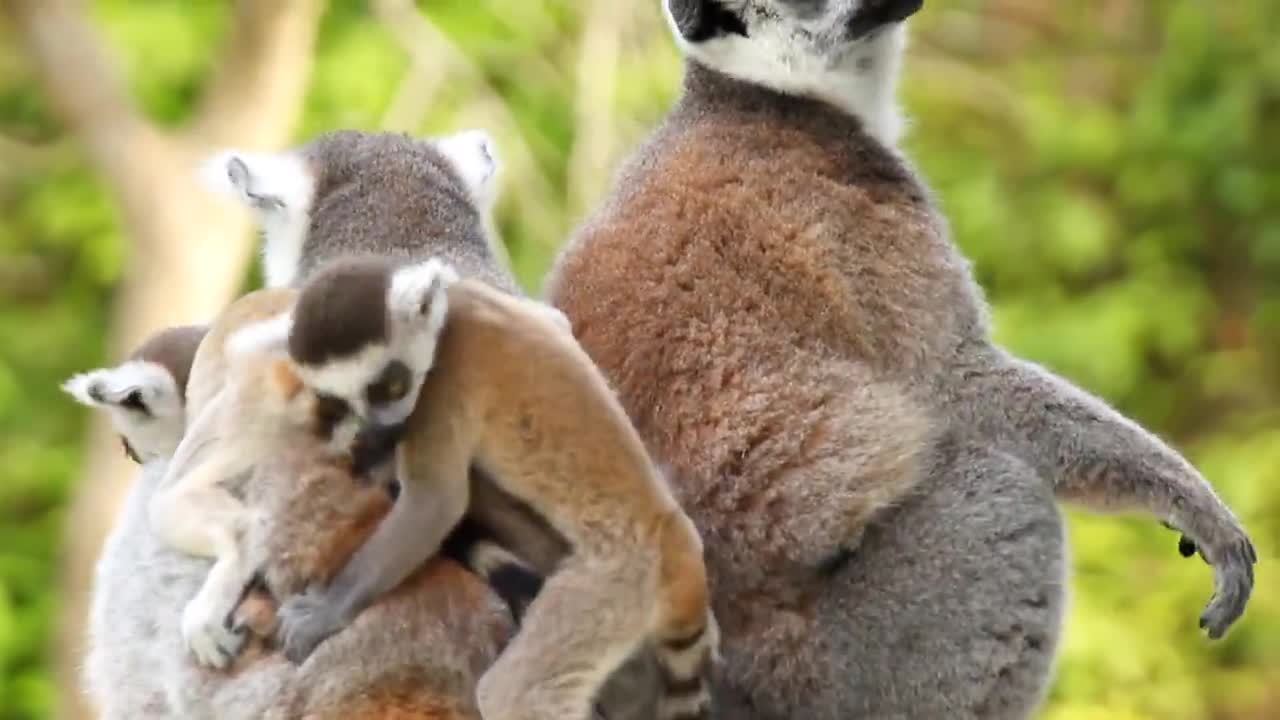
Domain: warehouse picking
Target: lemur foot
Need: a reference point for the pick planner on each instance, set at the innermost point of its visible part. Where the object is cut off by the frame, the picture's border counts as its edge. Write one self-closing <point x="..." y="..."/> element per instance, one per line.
<point x="1232" y="555"/>
<point x="1232" y="584"/>
<point x="206" y="633"/>
<point x="305" y="621"/>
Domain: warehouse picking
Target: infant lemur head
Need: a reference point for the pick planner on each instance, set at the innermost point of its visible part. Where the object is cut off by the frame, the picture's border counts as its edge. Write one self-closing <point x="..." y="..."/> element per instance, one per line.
<point x="351" y="192"/>
<point x="145" y="395"/>
<point x="361" y="336"/>
<point x="846" y="52"/>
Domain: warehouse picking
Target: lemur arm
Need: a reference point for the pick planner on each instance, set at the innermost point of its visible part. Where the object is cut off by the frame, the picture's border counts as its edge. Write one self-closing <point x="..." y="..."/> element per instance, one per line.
<point x="1093" y="455"/>
<point x="435" y="492"/>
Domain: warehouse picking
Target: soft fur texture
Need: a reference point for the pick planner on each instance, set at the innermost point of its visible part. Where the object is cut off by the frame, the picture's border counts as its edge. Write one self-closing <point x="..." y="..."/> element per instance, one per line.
<point x="779" y="306"/>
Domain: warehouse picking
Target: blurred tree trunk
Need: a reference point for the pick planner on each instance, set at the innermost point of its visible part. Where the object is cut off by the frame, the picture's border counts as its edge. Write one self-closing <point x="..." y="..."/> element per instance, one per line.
<point x="188" y="250"/>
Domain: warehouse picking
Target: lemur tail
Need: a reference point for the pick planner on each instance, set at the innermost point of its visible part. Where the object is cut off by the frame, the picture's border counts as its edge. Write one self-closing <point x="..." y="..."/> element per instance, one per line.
<point x="510" y="577"/>
<point x="684" y="669"/>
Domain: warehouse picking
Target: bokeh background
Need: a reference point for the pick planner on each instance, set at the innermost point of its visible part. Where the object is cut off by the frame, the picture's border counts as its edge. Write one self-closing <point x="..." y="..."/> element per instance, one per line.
<point x="1112" y="167"/>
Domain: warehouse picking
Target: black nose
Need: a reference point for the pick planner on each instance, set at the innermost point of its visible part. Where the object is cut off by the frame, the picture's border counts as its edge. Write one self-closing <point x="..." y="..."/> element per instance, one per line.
<point x="374" y="445"/>
<point x="878" y="13"/>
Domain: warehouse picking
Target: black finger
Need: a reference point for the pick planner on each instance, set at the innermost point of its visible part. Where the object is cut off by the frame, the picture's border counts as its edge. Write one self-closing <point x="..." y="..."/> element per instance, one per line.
<point x="1186" y="547"/>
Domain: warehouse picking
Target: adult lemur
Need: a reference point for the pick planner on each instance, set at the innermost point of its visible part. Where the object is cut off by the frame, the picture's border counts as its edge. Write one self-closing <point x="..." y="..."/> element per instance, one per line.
<point x="776" y="300"/>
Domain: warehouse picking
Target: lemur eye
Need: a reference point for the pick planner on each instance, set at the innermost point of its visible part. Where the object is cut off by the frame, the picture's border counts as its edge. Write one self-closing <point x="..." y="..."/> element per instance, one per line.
<point x="134" y="402"/>
<point x="391" y="385"/>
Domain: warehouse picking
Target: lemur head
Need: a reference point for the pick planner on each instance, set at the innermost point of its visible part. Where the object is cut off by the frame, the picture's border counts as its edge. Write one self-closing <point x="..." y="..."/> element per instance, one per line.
<point x="362" y="336"/>
<point x="354" y="189"/>
<point x="846" y="52"/>
<point x="145" y="395"/>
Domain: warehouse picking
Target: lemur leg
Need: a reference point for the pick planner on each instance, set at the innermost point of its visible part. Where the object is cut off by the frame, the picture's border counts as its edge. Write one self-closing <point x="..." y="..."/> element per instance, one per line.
<point x="586" y="621"/>
<point x="193" y="513"/>
<point x="199" y="517"/>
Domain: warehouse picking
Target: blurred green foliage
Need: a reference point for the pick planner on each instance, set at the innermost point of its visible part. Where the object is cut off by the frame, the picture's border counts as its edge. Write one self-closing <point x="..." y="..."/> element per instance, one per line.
<point x="1112" y="167"/>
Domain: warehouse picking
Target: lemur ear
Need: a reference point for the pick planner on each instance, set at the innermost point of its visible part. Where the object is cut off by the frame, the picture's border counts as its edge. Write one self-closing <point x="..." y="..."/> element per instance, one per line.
<point x="265" y="182"/>
<point x="474" y="155"/>
<point x="135" y="385"/>
<point x="419" y="292"/>
<point x="265" y="336"/>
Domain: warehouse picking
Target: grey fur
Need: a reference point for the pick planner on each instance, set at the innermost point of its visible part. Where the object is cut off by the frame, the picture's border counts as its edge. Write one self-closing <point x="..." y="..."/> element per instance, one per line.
<point x="775" y="298"/>
<point x="393" y="195"/>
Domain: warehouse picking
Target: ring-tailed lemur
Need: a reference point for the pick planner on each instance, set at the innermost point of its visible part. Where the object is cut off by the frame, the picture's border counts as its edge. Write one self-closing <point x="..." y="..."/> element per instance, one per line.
<point x="778" y="304"/>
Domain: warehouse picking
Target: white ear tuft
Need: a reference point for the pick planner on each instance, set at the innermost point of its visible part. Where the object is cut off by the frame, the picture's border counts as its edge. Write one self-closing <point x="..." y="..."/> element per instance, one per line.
<point x="279" y="188"/>
<point x="419" y="292"/>
<point x="265" y="182"/>
<point x="474" y="155"/>
<point x="78" y="387"/>
<point x="264" y="336"/>
<point x="112" y="387"/>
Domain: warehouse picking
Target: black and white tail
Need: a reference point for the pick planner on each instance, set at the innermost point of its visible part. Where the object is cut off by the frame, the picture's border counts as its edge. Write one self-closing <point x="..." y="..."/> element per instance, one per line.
<point x="510" y="577"/>
<point x="684" y="669"/>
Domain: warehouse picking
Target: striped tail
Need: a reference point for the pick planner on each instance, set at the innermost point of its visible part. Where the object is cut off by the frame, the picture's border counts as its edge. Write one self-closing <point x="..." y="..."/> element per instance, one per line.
<point x="684" y="668"/>
<point x="515" y="582"/>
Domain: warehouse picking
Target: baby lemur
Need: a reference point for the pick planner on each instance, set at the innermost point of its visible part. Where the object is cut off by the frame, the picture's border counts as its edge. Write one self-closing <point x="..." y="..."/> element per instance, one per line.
<point x="374" y="195"/>
<point x="776" y="300"/>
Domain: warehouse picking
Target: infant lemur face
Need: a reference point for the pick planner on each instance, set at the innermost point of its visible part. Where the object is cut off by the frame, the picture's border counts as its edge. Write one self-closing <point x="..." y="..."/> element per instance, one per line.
<point x="360" y="339"/>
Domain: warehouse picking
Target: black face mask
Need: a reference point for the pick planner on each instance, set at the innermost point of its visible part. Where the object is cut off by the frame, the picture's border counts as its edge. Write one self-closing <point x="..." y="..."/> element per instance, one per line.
<point x="702" y="20"/>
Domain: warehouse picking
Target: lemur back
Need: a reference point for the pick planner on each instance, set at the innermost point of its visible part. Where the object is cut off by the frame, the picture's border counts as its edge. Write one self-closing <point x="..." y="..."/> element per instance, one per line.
<point x="352" y="193"/>
<point x="777" y="302"/>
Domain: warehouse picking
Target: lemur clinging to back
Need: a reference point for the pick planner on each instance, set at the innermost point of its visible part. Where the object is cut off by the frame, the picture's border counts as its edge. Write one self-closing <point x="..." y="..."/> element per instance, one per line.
<point x="778" y="304"/>
<point x="350" y="199"/>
